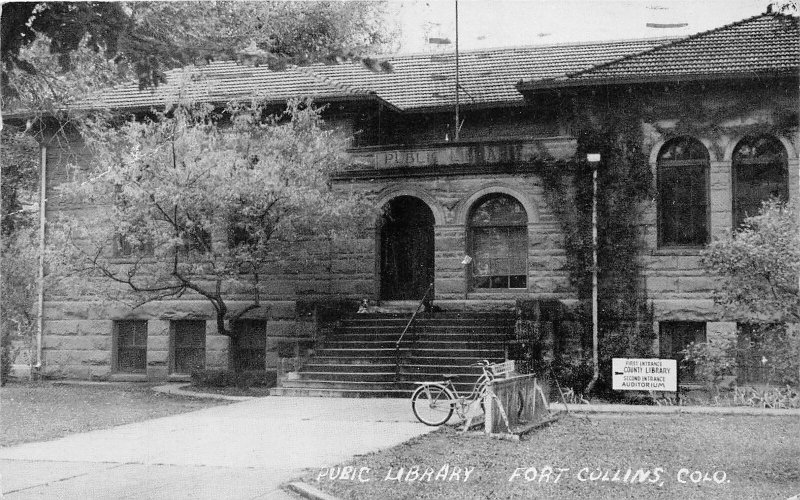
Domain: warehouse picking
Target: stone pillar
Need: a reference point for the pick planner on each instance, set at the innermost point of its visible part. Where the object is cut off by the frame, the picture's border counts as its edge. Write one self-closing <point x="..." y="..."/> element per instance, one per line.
<point x="794" y="178"/>
<point x="157" y="349"/>
<point x="720" y="201"/>
<point x="449" y="248"/>
<point x="216" y="347"/>
<point x="657" y="338"/>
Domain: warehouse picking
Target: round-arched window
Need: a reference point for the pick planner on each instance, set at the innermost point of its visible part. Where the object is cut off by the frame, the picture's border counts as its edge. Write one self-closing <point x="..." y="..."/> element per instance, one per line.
<point x="498" y="240"/>
<point x="760" y="172"/>
<point x="683" y="193"/>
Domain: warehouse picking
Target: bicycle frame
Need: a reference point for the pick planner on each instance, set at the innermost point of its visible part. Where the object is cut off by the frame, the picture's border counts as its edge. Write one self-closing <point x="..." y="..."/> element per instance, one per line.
<point x="460" y="402"/>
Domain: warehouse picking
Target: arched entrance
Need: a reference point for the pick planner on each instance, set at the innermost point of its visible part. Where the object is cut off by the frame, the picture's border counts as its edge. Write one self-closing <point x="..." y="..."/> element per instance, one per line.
<point x="406" y="249"/>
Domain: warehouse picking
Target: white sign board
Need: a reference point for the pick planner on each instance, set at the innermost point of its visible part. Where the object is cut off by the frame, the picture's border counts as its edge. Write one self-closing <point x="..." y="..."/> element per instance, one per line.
<point x="644" y="374"/>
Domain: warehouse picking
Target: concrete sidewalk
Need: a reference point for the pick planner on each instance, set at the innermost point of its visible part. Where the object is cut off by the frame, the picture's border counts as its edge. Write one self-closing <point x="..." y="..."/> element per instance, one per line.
<point x="244" y="450"/>
<point x="240" y="451"/>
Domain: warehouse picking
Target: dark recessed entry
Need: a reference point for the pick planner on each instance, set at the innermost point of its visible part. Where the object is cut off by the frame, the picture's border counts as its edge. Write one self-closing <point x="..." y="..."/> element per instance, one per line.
<point x="406" y="249"/>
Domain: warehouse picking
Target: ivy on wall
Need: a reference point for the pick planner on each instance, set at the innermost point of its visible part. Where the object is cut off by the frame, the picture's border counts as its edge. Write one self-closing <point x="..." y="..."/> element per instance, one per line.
<point x="618" y="126"/>
<point x="625" y="189"/>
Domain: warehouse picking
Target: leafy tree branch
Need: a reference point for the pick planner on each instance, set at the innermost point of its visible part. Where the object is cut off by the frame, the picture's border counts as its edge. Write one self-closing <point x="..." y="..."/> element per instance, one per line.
<point x="200" y="202"/>
<point x="759" y="265"/>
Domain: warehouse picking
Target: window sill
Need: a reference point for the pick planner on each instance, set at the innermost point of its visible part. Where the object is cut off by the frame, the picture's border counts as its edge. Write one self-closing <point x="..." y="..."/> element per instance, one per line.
<point x="498" y="294"/>
<point x="692" y="251"/>
<point x="179" y="377"/>
<point x="499" y="290"/>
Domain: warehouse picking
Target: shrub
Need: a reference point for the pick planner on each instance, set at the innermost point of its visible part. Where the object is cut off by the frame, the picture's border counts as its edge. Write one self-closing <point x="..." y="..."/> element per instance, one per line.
<point x="18" y="269"/>
<point x="229" y="378"/>
<point x="779" y="344"/>
<point x="7" y="356"/>
<point x="328" y="309"/>
<point x="757" y="266"/>
<point x="770" y="397"/>
<point x="710" y="361"/>
<point x="572" y="373"/>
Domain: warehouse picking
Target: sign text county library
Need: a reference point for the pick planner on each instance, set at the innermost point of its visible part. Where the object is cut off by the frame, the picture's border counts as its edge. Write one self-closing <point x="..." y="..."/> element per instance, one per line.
<point x="644" y="374"/>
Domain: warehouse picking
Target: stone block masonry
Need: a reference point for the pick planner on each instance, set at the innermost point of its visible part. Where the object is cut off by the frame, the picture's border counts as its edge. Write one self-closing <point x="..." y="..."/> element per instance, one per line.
<point x="450" y="179"/>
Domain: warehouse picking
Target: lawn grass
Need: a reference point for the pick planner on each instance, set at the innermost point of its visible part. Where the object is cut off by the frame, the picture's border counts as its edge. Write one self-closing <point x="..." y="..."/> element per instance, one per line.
<point x="46" y="410"/>
<point x="759" y="456"/>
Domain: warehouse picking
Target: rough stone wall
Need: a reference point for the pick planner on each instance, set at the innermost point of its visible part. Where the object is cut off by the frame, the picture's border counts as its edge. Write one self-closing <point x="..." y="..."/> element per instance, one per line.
<point x="78" y="328"/>
<point x="452" y="197"/>
<point x="676" y="283"/>
<point x="78" y="333"/>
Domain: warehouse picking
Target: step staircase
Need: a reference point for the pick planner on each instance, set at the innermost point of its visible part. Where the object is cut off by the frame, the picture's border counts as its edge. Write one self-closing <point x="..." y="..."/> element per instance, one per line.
<point x="358" y="358"/>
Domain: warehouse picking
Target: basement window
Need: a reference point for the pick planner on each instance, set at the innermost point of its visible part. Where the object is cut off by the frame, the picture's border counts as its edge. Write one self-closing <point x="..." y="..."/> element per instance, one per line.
<point x="754" y="360"/>
<point x="188" y="341"/>
<point x="674" y="337"/>
<point x="251" y="349"/>
<point x="130" y="346"/>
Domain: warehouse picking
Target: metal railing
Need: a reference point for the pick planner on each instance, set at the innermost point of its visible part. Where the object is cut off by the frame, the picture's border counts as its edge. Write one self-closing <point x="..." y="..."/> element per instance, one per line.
<point x="408" y="325"/>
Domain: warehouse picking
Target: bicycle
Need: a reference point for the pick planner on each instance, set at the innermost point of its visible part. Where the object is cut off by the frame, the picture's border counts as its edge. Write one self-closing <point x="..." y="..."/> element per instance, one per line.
<point x="433" y="403"/>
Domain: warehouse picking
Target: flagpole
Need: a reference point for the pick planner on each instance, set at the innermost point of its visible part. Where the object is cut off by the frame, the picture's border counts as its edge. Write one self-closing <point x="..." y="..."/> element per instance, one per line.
<point x="455" y="135"/>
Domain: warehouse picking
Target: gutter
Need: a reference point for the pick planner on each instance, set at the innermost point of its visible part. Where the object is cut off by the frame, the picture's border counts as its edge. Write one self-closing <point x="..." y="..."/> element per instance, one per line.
<point x="566" y="82"/>
<point x="40" y="306"/>
<point x="367" y="96"/>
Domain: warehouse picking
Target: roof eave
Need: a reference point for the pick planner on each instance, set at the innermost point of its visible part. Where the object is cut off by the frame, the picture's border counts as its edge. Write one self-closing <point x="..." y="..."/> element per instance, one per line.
<point x="144" y="108"/>
<point x="532" y="86"/>
<point x="448" y="108"/>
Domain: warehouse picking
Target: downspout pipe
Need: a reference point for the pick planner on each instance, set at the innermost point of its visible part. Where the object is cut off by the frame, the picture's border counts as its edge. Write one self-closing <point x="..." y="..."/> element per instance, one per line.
<point x="40" y="306"/>
<point x="594" y="160"/>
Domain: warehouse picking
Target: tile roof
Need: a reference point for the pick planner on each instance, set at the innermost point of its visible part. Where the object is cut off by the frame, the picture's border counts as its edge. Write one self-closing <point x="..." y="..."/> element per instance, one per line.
<point x="223" y="81"/>
<point x="761" y="45"/>
<point x="486" y="77"/>
<point x="416" y="82"/>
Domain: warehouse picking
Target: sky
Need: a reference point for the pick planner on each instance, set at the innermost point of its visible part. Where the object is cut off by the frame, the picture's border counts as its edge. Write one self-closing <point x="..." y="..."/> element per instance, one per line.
<point x="503" y="23"/>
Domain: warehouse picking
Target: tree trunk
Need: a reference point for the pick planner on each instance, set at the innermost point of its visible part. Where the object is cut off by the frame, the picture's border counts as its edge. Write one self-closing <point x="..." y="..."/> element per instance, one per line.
<point x="234" y="363"/>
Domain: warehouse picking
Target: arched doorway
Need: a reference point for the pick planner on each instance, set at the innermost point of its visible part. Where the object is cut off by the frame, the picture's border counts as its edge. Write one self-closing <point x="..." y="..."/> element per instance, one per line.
<point x="406" y="249"/>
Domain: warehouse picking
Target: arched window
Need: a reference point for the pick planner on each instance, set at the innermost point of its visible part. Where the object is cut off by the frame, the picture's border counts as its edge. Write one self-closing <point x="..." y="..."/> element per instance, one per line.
<point x="498" y="239"/>
<point x="760" y="172"/>
<point x="683" y="193"/>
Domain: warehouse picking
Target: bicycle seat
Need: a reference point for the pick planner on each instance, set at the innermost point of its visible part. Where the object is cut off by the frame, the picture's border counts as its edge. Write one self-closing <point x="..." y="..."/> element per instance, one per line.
<point x="450" y="376"/>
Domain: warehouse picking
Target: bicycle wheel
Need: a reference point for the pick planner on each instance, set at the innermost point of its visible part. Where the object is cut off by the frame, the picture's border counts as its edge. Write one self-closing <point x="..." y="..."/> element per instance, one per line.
<point x="432" y="404"/>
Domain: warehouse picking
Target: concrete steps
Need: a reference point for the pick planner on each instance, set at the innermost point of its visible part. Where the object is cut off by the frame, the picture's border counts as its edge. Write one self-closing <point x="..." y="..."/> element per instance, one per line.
<point x="337" y="393"/>
<point x="358" y="358"/>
